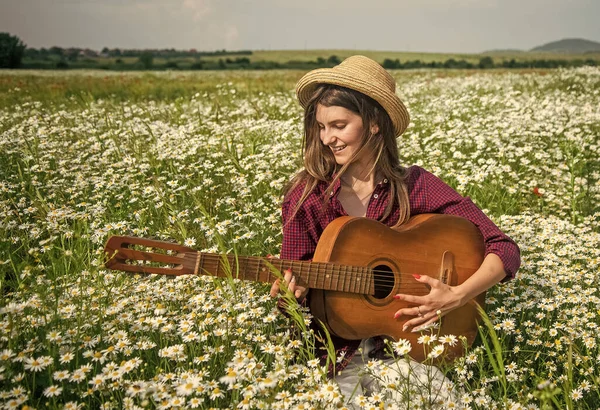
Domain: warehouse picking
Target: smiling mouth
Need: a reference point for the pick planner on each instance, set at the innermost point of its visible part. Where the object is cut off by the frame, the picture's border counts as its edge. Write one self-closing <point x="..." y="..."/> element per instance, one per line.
<point x="338" y="149"/>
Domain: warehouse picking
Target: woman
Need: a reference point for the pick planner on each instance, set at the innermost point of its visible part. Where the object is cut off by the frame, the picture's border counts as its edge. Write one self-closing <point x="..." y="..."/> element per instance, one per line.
<point x="351" y="121"/>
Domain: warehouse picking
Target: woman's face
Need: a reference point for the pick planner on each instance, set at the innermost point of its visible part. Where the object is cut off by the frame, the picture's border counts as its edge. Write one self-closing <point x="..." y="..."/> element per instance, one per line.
<point x="341" y="130"/>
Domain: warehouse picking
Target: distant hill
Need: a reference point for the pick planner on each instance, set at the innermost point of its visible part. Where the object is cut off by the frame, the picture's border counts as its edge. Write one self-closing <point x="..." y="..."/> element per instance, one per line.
<point x="570" y="45"/>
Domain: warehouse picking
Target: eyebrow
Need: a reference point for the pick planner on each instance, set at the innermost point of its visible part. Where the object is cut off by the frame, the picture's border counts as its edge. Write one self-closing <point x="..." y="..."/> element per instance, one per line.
<point x="333" y="121"/>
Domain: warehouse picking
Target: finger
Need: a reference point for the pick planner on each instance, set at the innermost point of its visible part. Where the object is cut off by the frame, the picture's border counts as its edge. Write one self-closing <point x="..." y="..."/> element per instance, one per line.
<point x="427" y="280"/>
<point x="275" y="288"/>
<point x="417" y="300"/>
<point x="418" y="323"/>
<point x="423" y="322"/>
<point x="428" y="324"/>
<point x="413" y="311"/>
<point x="300" y="292"/>
<point x="287" y="274"/>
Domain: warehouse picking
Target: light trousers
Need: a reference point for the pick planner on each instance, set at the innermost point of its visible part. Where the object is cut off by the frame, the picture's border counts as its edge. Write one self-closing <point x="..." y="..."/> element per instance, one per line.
<point x="403" y="381"/>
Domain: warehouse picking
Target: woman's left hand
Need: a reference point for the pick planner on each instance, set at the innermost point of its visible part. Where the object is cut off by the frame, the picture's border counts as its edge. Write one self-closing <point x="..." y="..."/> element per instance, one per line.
<point x="428" y="309"/>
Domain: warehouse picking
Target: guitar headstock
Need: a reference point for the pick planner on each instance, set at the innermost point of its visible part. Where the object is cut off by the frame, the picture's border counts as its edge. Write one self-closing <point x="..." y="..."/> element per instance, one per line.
<point x="141" y="255"/>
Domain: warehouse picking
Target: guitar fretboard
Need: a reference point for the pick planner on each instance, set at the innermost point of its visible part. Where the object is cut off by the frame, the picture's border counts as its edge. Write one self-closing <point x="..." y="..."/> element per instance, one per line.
<point x="326" y="276"/>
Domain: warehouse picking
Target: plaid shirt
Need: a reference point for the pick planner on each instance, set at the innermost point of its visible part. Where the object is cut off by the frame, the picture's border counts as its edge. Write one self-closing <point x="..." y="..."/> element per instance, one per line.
<point x="427" y="194"/>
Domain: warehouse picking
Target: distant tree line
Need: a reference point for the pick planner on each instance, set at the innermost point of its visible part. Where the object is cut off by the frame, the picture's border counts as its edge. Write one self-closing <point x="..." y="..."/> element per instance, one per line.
<point x="146" y="61"/>
<point x="73" y="53"/>
<point x="488" y="62"/>
<point x="15" y="54"/>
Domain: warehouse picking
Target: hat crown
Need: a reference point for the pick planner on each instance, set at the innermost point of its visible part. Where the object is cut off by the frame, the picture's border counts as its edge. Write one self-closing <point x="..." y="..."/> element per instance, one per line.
<point x="368" y="70"/>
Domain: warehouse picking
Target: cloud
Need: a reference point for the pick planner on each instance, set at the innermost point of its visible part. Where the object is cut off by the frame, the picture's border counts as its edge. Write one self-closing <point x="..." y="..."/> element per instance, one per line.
<point x="197" y="8"/>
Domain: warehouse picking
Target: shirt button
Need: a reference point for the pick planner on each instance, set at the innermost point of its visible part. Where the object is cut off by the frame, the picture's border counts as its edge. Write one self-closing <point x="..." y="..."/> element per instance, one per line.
<point x="375" y="196"/>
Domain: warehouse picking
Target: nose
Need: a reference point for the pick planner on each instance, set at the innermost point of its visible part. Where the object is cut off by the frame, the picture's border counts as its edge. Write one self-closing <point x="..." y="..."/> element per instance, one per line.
<point x="327" y="136"/>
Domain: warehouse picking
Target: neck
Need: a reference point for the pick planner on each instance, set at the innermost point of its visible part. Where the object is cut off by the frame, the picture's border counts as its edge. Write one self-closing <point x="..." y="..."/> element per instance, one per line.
<point x="358" y="177"/>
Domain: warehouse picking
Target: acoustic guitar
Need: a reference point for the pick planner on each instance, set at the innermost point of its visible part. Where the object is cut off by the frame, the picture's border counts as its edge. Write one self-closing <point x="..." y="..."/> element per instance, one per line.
<point x="358" y="266"/>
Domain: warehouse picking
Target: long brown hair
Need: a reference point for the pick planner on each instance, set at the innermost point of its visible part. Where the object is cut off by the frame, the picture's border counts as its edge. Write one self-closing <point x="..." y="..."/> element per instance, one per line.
<point x="319" y="161"/>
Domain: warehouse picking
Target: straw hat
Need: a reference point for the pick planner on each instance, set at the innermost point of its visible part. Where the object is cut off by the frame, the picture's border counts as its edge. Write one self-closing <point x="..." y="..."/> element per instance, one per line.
<point x="362" y="74"/>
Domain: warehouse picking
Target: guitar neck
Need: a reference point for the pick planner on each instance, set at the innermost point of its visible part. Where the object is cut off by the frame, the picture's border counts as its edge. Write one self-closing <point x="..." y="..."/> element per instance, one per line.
<point x="325" y="276"/>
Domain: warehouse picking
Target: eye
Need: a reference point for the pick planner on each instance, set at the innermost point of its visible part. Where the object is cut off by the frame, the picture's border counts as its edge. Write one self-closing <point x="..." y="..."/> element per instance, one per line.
<point x="340" y="126"/>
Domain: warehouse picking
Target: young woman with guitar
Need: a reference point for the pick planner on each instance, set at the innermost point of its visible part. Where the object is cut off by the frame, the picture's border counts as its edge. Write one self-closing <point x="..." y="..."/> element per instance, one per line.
<point x="352" y="120"/>
<point x="360" y="278"/>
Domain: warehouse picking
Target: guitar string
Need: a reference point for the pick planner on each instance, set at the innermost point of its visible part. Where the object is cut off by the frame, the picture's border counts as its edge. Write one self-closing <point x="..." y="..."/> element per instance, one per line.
<point x="383" y="279"/>
<point x="255" y="263"/>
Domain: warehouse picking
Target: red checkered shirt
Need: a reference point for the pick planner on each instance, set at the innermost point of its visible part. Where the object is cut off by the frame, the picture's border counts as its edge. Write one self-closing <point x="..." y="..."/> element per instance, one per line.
<point x="427" y="194"/>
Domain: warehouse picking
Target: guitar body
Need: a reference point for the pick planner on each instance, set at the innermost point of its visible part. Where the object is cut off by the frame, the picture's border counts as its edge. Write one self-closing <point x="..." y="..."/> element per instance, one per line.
<point x="444" y="247"/>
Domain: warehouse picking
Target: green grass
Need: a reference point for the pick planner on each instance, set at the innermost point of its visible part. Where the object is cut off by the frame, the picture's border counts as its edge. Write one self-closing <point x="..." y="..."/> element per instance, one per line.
<point x="200" y="158"/>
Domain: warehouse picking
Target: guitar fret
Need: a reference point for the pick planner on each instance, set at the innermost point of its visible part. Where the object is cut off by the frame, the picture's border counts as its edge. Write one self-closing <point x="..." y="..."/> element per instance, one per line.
<point x="233" y="266"/>
<point x="347" y="280"/>
<point x="308" y="275"/>
<point x="256" y="274"/>
<point x="245" y="268"/>
<point x="350" y="281"/>
<point x="201" y="268"/>
<point x="264" y="270"/>
<point x="360" y="281"/>
<point x="319" y="278"/>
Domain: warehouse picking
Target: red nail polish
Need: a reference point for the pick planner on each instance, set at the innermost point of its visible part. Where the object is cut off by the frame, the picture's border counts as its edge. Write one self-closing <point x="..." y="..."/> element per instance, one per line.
<point x="416" y="276"/>
<point x="396" y="315"/>
<point x="397" y="297"/>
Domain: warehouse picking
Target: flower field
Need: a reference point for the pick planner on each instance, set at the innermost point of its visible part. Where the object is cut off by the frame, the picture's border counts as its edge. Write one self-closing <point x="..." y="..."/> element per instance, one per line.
<point x="201" y="159"/>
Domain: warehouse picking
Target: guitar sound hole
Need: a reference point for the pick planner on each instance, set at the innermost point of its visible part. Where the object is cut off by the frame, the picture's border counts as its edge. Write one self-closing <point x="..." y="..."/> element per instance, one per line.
<point x="384" y="281"/>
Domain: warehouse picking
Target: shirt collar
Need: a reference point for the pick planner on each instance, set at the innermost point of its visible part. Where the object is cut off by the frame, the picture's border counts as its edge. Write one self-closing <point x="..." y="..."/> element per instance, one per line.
<point x="336" y="187"/>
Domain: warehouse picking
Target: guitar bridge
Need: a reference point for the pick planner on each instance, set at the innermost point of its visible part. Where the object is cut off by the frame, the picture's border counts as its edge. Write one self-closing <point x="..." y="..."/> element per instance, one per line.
<point x="447" y="271"/>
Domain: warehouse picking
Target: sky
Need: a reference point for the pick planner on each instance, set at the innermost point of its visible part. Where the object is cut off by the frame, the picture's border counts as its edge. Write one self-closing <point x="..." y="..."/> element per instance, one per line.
<point x="452" y="26"/>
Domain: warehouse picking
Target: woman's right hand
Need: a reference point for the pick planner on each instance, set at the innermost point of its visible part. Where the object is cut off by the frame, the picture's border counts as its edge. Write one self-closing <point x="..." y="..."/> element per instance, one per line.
<point x="289" y="280"/>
